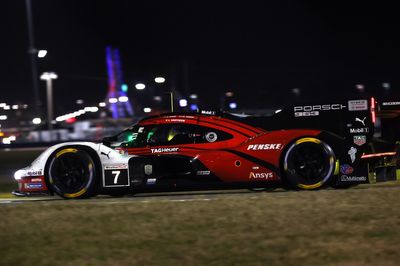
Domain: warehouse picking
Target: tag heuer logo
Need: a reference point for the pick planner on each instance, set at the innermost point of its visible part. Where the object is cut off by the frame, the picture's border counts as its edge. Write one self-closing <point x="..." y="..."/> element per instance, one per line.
<point x="360" y="140"/>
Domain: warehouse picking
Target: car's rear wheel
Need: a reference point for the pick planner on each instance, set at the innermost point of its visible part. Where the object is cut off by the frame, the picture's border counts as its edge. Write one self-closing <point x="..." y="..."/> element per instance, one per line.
<point x="71" y="173"/>
<point x="309" y="163"/>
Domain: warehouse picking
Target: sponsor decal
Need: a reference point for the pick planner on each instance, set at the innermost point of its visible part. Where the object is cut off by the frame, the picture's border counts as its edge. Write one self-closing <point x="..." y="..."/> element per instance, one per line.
<point x="269" y="146"/>
<point x="106" y="154"/>
<point x="264" y="176"/>
<point x="359" y="130"/>
<point x="360" y="140"/>
<point x="362" y="121"/>
<point x="390" y="103"/>
<point x="33" y="185"/>
<point x="148" y="169"/>
<point x="353" y="178"/>
<point x="211" y="136"/>
<point x="36" y="180"/>
<point x="313" y="110"/>
<point x="352" y="153"/>
<point x="140" y="130"/>
<point x="346" y="169"/>
<point x="255" y="168"/>
<point x="207" y="112"/>
<point x="35" y="173"/>
<point x="151" y="181"/>
<point x="161" y="150"/>
<point x="203" y="173"/>
<point x="175" y="120"/>
<point x="116" y="166"/>
<point x="358" y="105"/>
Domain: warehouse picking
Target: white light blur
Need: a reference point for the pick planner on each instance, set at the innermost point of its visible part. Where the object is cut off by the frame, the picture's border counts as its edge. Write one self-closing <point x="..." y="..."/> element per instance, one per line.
<point x="7" y="107"/>
<point x="15" y="107"/>
<point x="193" y="96"/>
<point x="140" y="86"/>
<point x="296" y="91"/>
<point x="79" y="101"/>
<point x="157" y="98"/>
<point x="2" y="105"/>
<point x="3" y="117"/>
<point x="12" y="138"/>
<point x="92" y="109"/>
<point x="48" y="76"/>
<point x="42" y="53"/>
<point x="182" y="102"/>
<point x="18" y="174"/>
<point x="6" y="141"/>
<point x="36" y="121"/>
<point x="278" y="111"/>
<point x="102" y="104"/>
<point x="123" y="99"/>
<point x="159" y="80"/>
<point x="360" y="87"/>
<point x="232" y="105"/>
<point x="386" y="85"/>
<point x="113" y="100"/>
<point x="147" y="109"/>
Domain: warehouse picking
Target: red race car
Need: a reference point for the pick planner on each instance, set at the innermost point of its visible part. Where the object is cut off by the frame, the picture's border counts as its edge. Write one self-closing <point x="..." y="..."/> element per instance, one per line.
<point x="301" y="147"/>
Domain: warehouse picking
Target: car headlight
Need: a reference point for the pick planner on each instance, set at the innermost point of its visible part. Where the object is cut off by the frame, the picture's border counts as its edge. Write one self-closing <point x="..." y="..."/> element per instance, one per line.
<point x="19" y="174"/>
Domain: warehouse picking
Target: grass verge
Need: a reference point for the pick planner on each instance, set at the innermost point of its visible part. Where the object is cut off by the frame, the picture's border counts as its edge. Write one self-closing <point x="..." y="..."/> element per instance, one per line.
<point x="327" y="227"/>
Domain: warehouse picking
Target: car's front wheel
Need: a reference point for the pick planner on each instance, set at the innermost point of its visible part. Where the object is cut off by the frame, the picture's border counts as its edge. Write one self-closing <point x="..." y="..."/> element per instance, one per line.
<point x="71" y="173"/>
<point x="309" y="163"/>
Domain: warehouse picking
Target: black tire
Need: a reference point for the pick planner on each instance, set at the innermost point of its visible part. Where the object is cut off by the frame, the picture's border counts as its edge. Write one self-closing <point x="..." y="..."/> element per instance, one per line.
<point x="308" y="163"/>
<point x="72" y="173"/>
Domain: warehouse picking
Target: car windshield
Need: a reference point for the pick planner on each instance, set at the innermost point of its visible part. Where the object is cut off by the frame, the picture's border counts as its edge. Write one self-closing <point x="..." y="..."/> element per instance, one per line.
<point x="133" y="137"/>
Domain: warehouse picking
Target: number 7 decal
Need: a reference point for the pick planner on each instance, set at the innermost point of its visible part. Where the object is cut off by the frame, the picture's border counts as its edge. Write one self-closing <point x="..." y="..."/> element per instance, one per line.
<point x="116" y="173"/>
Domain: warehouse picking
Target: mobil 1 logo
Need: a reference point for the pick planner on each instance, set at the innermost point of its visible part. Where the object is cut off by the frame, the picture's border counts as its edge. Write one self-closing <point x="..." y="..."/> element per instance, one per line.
<point x="116" y="176"/>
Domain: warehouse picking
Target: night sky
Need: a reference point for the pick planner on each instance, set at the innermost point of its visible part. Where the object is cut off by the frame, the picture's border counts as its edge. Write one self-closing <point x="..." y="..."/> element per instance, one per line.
<point x="259" y="51"/>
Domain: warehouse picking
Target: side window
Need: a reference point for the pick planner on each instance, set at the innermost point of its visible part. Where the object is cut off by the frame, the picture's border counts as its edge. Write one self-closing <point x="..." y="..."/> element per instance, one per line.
<point x="179" y="134"/>
<point x="172" y="134"/>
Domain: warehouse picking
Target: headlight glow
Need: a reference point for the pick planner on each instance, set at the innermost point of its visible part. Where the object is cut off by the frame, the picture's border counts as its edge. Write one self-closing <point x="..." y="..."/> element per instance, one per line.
<point x="18" y="174"/>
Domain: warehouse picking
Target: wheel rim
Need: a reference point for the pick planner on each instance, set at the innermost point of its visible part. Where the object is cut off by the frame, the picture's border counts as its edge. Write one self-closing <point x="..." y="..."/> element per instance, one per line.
<point x="71" y="173"/>
<point x="309" y="164"/>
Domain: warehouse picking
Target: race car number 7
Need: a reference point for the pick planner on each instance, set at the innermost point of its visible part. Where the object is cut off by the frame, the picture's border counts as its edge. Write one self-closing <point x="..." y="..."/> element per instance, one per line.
<point x="116" y="173"/>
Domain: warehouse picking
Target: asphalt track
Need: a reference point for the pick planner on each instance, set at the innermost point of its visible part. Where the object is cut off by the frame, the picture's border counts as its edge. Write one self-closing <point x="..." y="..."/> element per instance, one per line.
<point x="8" y="198"/>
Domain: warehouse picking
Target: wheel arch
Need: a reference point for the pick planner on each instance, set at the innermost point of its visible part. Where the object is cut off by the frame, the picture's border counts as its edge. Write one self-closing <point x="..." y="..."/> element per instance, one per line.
<point x="93" y="154"/>
<point x="332" y="140"/>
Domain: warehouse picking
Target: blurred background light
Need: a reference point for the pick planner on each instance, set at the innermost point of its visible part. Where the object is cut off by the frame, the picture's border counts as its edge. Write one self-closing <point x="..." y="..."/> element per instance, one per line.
<point x="193" y="107"/>
<point x="193" y="96"/>
<point x="102" y="104"/>
<point x="147" y="109"/>
<point x="42" y="53"/>
<point x="124" y="87"/>
<point x="182" y="102"/>
<point x="123" y="99"/>
<point x="159" y="80"/>
<point x="36" y="121"/>
<point x="140" y="86"/>
<point x="233" y="105"/>
<point x="113" y="100"/>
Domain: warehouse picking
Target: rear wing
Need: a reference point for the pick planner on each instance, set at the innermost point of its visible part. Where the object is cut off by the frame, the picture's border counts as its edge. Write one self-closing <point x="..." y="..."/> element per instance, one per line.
<point x="348" y="126"/>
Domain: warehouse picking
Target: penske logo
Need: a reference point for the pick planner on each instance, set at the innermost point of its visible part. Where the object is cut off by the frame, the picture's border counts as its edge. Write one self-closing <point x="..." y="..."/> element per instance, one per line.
<point x="269" y="146"/>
